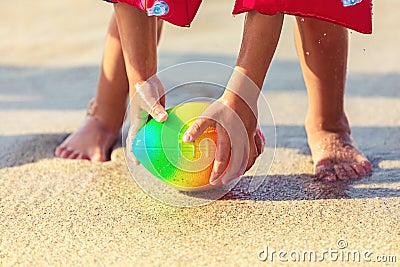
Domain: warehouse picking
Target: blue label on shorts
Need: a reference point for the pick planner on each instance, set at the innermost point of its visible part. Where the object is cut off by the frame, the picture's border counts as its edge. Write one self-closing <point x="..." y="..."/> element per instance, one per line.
<point x="160" y="8"/>
<point x="350" y="2"/>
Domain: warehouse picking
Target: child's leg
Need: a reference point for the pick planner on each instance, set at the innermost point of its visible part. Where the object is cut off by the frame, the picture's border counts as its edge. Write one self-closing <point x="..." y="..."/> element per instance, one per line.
<point x="322" y="49"/>
<point x="106" y="111"/>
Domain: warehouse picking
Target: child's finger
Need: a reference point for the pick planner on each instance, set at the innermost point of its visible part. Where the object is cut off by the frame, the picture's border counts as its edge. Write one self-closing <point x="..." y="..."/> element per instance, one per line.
<point x="222" y="154"/>
<point x="158" y="112"/>
<point x="237" y="164"/>
<point x="129" y="153"/>
<point x="148" y="96"/>
<point x="154" y="109"/>
<point x="253" y="154"/>
<point x="239" y="158"/>
<point x="196" y="129"/>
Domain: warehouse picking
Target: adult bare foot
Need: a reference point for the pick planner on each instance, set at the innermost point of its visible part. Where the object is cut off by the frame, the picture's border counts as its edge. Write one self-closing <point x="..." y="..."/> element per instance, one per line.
<point x="336" y="156"/>
<point x="93" y="140"/>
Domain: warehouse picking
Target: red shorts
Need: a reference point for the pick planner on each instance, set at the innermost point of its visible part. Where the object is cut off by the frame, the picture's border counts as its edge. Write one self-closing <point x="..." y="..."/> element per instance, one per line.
<point x="180" y="12"/>
<point x="357" y="17"/>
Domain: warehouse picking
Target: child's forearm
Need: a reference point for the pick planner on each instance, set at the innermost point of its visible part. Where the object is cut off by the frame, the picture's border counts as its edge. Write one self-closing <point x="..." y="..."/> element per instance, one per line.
<point x="260" y="38"/>
<point x="138" y="34"/>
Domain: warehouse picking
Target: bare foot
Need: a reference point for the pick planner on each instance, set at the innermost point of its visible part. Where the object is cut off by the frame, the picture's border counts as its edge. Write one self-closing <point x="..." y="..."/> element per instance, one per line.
<point x="336" y="156"/>
<point x="92" y="141"/>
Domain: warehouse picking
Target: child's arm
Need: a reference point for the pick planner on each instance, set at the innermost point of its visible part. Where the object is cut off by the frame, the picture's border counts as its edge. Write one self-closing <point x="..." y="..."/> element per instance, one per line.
<point x="260" y="38"/>
<point x="139" y="44"/>
<point x="138" y="34"/>
<point x="236" y="110"/>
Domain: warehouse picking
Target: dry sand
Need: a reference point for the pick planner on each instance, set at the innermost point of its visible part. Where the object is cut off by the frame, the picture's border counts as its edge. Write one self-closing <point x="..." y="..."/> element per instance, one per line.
<point x="76" y="213"/>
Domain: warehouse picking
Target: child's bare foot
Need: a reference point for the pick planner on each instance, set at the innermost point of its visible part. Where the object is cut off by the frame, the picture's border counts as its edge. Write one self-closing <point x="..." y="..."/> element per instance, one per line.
<point x="93" y="140"/>
<point x="336" y="156"/>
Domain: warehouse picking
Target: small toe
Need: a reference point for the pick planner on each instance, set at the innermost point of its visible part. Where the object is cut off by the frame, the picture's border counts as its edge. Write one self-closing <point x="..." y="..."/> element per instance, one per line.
<point x="325" y="173"/>
<point x="66" y="153"/>
<point x="83" y="156"/>
<point x="331" y="178"/>
<point x="359" y="169"/>
<point x="340" y="172"/>
<point x="73" y="155"/>
<point x="59" y="150"/>
<point x="367" y="166"/>
<point x="351" y="173"/>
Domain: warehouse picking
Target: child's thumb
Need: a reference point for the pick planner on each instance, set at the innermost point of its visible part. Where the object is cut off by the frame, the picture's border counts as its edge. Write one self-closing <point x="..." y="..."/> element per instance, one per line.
<point x="158" y="112"/>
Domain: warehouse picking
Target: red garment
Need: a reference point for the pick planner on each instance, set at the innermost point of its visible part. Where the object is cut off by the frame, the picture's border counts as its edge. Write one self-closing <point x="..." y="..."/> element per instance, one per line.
<point x="181" y="12"/>
<point x="357" y="17"/>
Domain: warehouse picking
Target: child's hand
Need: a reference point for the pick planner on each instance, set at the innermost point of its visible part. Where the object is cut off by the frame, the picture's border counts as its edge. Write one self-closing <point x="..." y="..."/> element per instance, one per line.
<point x="236" y="125"/>
<point x="148" y="99"/>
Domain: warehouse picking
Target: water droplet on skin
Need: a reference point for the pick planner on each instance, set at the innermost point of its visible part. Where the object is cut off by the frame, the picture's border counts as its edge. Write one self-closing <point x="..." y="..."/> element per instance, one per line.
<point x="307" y="53"/>
<point x="319" y="41"/>
<point x="302" y="19"/>
<point x="324" y="34"/>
